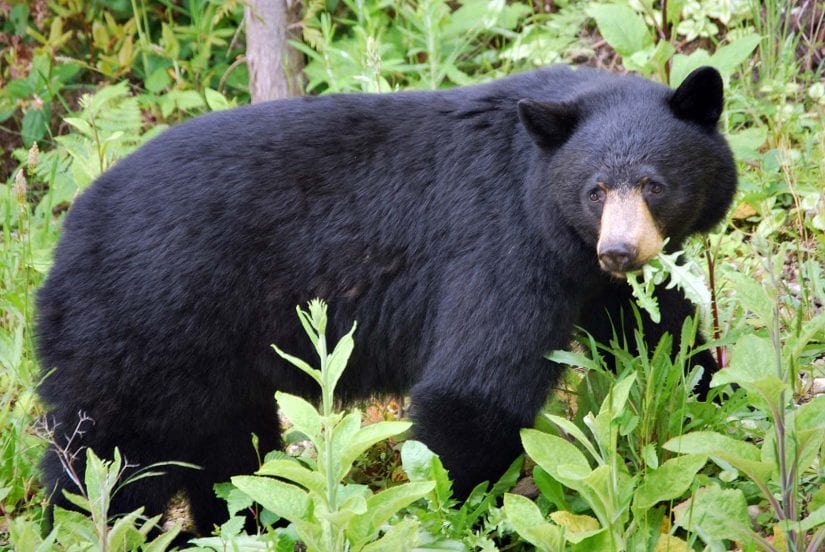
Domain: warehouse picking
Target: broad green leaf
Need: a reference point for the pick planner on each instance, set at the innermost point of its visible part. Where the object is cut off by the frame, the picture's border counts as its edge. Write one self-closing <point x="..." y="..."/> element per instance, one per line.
<point x="669" y="543"/>
<point x="415" y="458"/>
<point x="382" y="506"/>
<point x="215" y="100"/>
<point x="343" y="434"/>
<point x="295" y="472"/>
<point x="811" y="415"/>
<point x="401" y="537"/>
<point x="346" y="509"/>
<point x="551" y="452"/>
<point x="528" y="522"/>
<point x="422" y="464"/>
<point x="77" y="524"/>
<point x="754" y="297"/>
<point x="35" y="124"/>
<point x="753" y="366"/>
<point x="550" y="488"/>
<point x="599" y="541"/>
<point x="745" y="143"/>
<point x="683" y="65"/>
<point x="715" y="514"/>
<point x="729" y="57"/>
<point x="752" y="359"/>
<point x="157" y="80"/>
<point x="282" y="499"/>
<point x="670" y="481"/>
<point x="366" y="437"/>
<point x="649" y="455"/>
<point x="674" y="11"/>
<point x="301" y="414"/>
<point x="811" y="330"/>
<point x="576" y="527"/>
<point x="621" y="27"/>
<point x="710" y="443"/>
<point x="608" y="493"/>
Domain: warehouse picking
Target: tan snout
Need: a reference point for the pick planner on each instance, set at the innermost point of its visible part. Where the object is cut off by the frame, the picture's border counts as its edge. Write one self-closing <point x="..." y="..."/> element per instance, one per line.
<point x="628" y="235"/>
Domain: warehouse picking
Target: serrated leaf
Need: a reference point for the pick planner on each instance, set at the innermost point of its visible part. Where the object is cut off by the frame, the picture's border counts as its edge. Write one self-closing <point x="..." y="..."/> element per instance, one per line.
<point x="670" y="481"/>
<point x="80" y="124"/>
<point x="644" y="297"/>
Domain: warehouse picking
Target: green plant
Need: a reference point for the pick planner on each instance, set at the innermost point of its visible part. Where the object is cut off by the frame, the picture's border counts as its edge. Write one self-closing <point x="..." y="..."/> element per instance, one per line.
<point x="74" y="530"/>
<point x="623" y="503"/>
<point x="445" y="523"/>
<point x="326" y="513"/>
<point x="644" y="39"/>
<point x="767" y="368"/>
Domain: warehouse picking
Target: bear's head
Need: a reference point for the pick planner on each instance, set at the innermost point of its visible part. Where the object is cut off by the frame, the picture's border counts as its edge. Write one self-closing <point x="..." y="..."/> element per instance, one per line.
<point x="628" y="163"/>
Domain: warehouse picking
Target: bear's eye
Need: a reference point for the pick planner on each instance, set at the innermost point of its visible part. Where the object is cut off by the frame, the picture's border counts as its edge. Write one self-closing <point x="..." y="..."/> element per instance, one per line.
<point x="596" y="194"/>
<point x="655" y="187"/>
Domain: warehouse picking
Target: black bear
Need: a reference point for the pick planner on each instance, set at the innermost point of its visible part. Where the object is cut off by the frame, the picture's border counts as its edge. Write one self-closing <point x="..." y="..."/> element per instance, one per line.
<point x="467" y="231"/>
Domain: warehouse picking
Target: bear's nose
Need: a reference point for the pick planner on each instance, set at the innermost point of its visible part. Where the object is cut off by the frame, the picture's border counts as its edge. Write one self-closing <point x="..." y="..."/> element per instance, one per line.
<point x="617" y="257"/>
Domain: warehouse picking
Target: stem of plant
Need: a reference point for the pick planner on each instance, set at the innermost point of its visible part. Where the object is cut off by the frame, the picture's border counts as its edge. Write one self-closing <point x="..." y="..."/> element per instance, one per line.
<point x="785" y="474"/>
<point x="327" y="408"/>
<point x="714" y="304"/>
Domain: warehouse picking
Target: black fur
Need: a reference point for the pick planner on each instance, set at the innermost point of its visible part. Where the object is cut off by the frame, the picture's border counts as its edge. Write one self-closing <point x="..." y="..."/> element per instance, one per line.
<point x="462" y="244"/>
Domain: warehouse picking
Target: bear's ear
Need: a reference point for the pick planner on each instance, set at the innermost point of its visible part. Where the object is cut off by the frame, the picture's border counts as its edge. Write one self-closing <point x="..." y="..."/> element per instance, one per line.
<point x="699" y="98"/>
<point x="549" y="124"/>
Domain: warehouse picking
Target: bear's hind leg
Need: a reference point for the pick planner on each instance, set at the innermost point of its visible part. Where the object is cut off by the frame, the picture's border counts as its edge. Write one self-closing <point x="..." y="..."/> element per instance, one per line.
<point x="223" y="456"/>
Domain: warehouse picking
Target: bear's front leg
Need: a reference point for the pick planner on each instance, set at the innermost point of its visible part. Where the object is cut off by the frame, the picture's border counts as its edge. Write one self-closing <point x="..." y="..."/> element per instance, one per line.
<point x="487" y="378"/>
<point x="475" y="438"/>
<point x="611" y="313"/>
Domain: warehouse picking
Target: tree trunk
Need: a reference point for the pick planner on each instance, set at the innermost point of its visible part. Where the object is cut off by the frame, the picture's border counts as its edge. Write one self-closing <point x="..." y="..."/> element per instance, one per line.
<point x="274" y="67"/>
